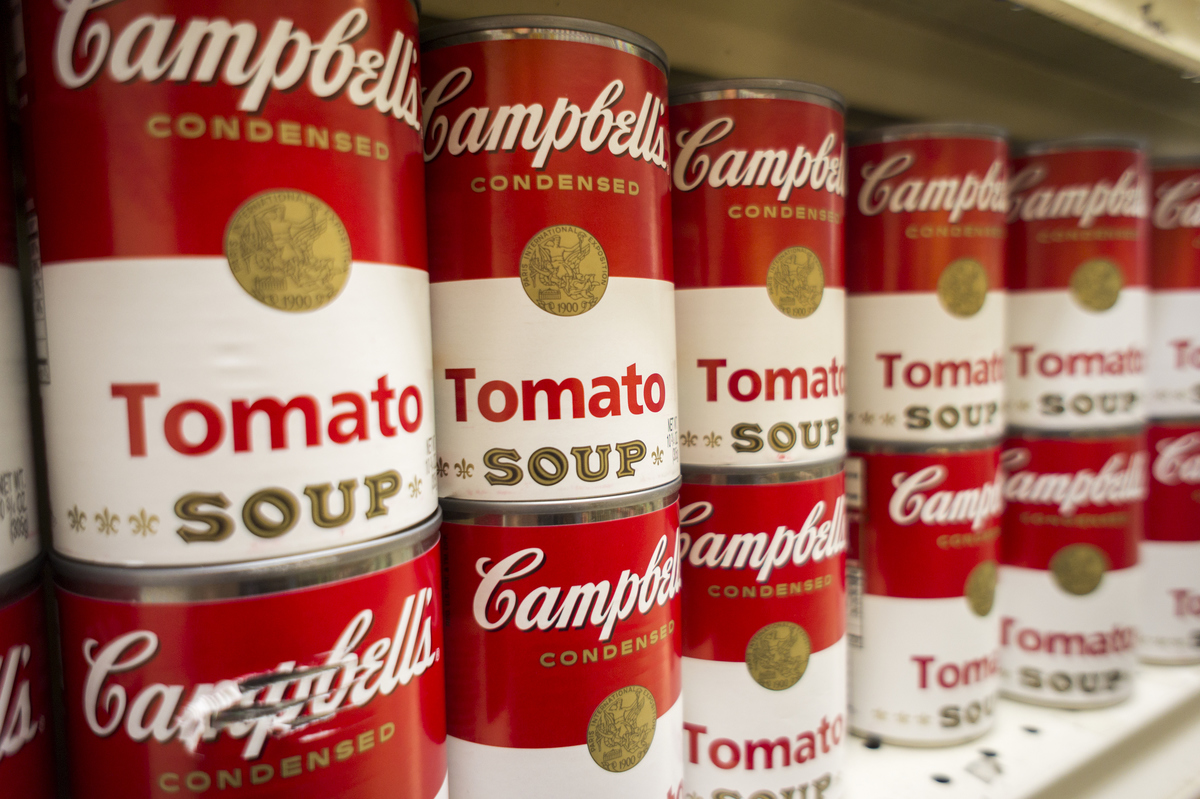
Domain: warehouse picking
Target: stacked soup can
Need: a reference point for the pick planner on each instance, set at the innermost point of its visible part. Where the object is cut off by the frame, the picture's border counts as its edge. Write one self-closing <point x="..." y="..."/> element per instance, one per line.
<point x="925" y="273"/>
<point x="547" y="155"/>
<point x="759" y="185"/>
<point x="237" y="390"/>
<point x="1170" y="620"/>
<point x="1075" y="459"/>
<point x="26" y="739"/>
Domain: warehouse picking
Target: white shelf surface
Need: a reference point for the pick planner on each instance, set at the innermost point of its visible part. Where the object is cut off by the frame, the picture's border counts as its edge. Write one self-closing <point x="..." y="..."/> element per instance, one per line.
<point x="1146" y="748"/>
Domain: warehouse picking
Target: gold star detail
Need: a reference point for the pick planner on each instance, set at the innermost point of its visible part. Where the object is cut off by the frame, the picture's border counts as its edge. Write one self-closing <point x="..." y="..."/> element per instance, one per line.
<point x="867" y="418"/>
<point x="888" y="419"/>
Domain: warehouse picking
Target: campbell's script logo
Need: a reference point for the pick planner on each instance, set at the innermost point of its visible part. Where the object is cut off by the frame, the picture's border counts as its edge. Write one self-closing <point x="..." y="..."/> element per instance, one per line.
<point x="215" y="50"/>
<point x="262" y="705"/>
<point x="1178" y="460"/>
<point x="883" y="190"/>
<point x="641" y="134"/>
<point x="818" y="538"/>
<point x="17" y="723"/>
<point x="819" y="168"/>
<point x="593" y="604"/>
<point x="1121" y="480"/>
<point x="1177" y="205"/>
<point x="1033" y="202"/>
<point x="913" y="502"/>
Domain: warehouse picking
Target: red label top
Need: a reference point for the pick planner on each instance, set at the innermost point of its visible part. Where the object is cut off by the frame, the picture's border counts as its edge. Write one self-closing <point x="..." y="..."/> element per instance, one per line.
<point x="1073" y="491"/>
<point x="26" y="741"/>
<point x="1066" y="208"/>
<point x="261" y="694"/>
<point x="1175" y="235"/>
<point x="145" y="131"/>
<point x="928" y="520"/>
<point x="1173" y="505"/>
<point x="751" y="178"/>
<point x="526" y="134"/>
<point x="753" y="555"/>
<point x="544" y="623"/>
<point x="917" y="205"/>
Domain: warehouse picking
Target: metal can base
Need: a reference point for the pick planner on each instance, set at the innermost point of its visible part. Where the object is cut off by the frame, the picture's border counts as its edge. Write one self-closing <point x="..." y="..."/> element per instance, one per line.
<point x="1029" y="700"/>
<point x="914" y="744"/>
<point x="1167" y="660"/>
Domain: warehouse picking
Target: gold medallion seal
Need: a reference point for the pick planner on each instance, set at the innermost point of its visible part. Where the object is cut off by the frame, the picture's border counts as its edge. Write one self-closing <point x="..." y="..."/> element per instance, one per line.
<point x="1079" y="568"/>
<point x="288" y="250"/>
<point x="980" y="589"/>
<point x="796" y="282"/>
<point x="1096" y="284"/>
<point x="963" y="287"/>
<point x="777" y="655"/>
<point x="564" y="270"/>
<point x="622" y="727"/>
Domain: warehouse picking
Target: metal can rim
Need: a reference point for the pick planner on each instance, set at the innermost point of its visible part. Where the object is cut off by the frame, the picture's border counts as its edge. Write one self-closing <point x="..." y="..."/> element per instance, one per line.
<point x="536" y="26"/>
<point x="168" y="584"/>
<point x="761" y="474"/>
<point x="1078" y="143"/>
<point x="863" y="446"/>
<point x="1088" y="434"/>
<point x="20" y="581"/>
<point x="758" y="88"/>
<point x="927" y="130"/>
<point x="1175" y="162"/>
<point x="559" y="512"/>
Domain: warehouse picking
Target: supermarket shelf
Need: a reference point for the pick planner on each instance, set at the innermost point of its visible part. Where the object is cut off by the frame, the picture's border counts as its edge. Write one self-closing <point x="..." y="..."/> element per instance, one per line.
<point x="985" y="60"/>
<point x="1146" y="748"/>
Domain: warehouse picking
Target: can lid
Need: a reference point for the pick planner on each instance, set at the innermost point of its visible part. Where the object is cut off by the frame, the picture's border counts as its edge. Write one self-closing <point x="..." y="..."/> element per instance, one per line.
<point x="751" y="88"/>
<point x="20" y="580"/>
<point x="1176" y="162"/>
<point x="560" y="512"/>
<point x="764" y="474"/>
<point x="926" y="130"/>
<point x="542" y="26"/>
<point x="1075" y="143"/>
<point x="162" y="584"/>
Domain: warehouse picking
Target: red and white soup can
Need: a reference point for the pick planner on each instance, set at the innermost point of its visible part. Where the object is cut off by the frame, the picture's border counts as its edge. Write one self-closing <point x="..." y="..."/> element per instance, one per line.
<point x="1070" y="603"/>
<point x="18" y="501"/>
<point x="764" y="623"/>
<point x="547" y="156"/>
<point x="1078" y="271"/>
<point x="1170" y="552"/>
<point x="229" y="223"/>
<point x="1173" y="353"/>
<point x="923" y="626"/>
<point x="26" y="740"/>
<point x="758" y="202"/>
<point x="563" y="644"/>
<point x="925" y="273"/>
<point x="307" y="676"/>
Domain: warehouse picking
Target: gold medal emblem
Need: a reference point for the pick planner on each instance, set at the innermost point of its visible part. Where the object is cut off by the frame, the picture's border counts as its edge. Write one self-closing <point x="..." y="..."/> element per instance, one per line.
<point x="980" y="589"/>
<point x="1096" y="284"/>
<point x="963" y="287"/>
<point x="622" y="727"/>
<point x="796" y="282"/>
<point x="564" y="270"/>
<point x="777" y="655"/>
<point x="288" y="250"/>
<point x="1079" y="568"/>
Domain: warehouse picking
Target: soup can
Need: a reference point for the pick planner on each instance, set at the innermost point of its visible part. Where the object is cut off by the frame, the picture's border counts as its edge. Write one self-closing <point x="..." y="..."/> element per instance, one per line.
<point x="26" y="738"/>
<point x="759" y="187"/>
<point x="547" y="157"/>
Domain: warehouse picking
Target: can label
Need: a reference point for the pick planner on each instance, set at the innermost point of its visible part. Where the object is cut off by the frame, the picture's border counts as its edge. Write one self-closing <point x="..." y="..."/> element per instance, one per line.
<point x="581" y="618"/>
<point x="1170" y="622"/>
<point x="758" y="210"/>
<point x="924" y="663"/>
<point x="1072" y="525"/>
<point x="553" y="316"/>
<point x="1078" y="272"/>
<point x="764" y="622"/>
<point x="236" y="297"/>
<point x="347" y="702"/>
<point x="26" y="742"/>
<point x="1174" y="350"/>
<point x="925" y="273"/>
